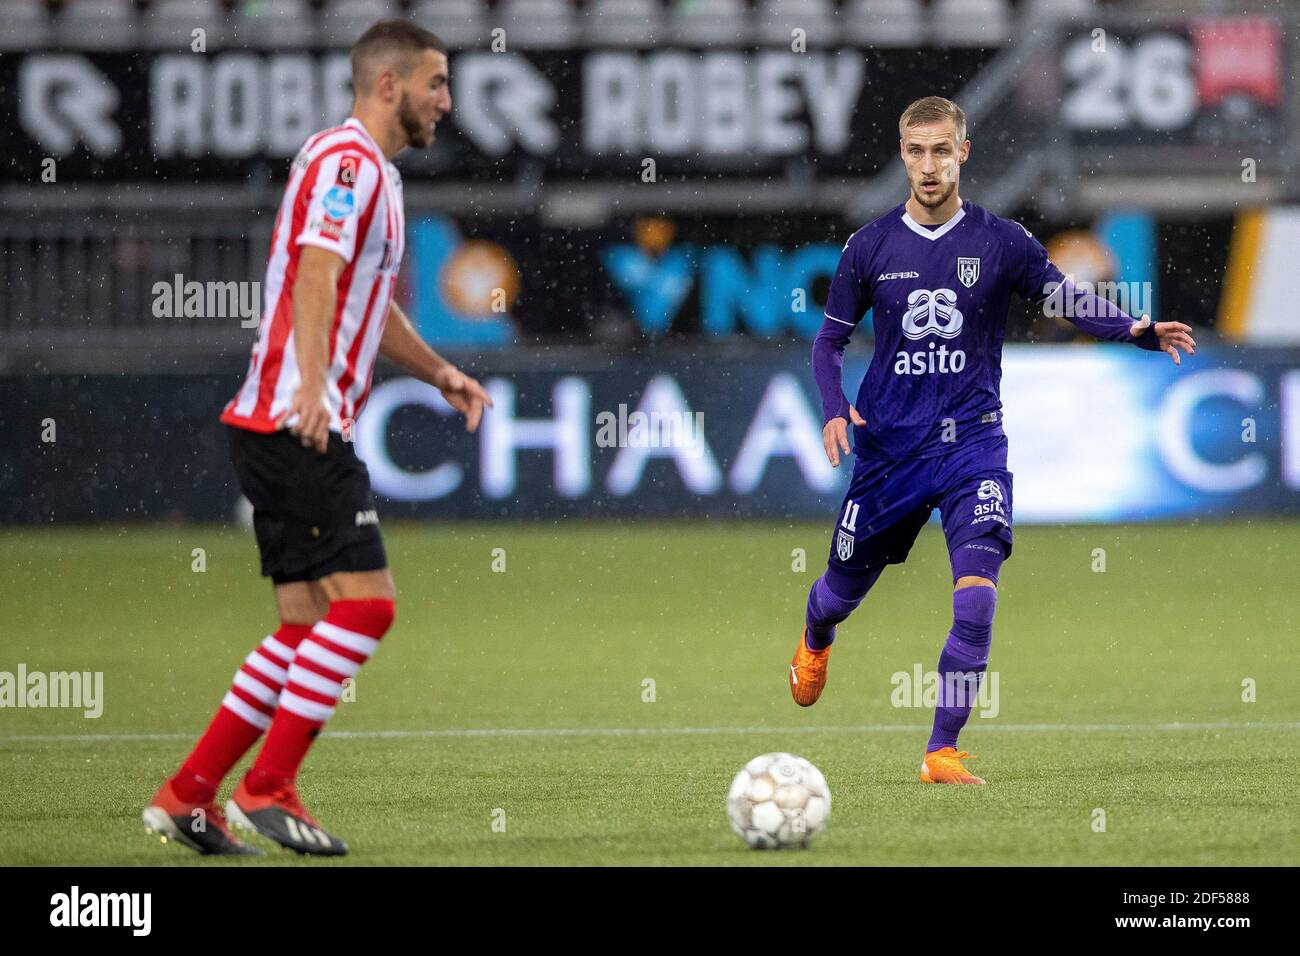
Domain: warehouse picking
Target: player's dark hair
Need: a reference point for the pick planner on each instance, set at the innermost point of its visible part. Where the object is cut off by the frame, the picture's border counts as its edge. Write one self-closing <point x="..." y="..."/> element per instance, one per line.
<point x="390" y="39"/>
<point x="932" y="109"/>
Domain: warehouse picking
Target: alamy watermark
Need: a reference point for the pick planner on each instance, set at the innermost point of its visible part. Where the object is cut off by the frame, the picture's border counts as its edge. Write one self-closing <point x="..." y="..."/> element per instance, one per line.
<point x="77" y="689"/>
<point x="931" y="689"/>
<point x="180" y="299"/>
<point x="1072" y="299"/>
<point x="74" y="908"/>
<point x="680" y="430"/>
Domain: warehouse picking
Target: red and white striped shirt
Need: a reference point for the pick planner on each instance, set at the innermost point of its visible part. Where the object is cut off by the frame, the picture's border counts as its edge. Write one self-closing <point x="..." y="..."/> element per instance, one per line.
<point x="343" y="195"/>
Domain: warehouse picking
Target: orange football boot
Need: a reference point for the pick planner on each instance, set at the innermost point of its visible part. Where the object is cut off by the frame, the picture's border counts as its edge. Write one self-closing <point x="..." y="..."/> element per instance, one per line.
<point x="945" y="766"/>
<point x="808" y="672"/>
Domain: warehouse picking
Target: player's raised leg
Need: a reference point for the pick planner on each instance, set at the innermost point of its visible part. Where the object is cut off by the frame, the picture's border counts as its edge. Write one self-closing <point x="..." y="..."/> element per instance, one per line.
<point x="879" y="520"/>
<point x="361" y="610"/>
<point x="832" y="598"/>
<point x="185" y="809"/>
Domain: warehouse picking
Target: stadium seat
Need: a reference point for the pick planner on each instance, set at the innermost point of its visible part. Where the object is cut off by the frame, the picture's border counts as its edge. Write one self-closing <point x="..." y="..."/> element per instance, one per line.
<point x="778" y="18"/>
<point x="537" y="24"/>
<point x="884" y="22"/>
<point x="170" y="24"/>
<point x="345" y="20"/>
<point x="27" y="26"/>
<point x="971" y="22"/>
<point x="623" y="22"/>
<point x="280" y="25"/>
<point x="96" y="25"/>
<point x="1058" y="9"/>
<point x="459" y="23"/>
<point x="713" y="23"/>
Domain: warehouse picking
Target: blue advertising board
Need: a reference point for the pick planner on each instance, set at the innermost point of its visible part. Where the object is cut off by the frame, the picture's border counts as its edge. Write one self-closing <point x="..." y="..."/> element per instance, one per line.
<point x="1098" y="434"/>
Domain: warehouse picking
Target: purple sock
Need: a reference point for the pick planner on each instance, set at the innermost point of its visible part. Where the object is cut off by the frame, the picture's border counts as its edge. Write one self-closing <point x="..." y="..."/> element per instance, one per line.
<point x="833" y="598"/>
<point x="962" y="662"/>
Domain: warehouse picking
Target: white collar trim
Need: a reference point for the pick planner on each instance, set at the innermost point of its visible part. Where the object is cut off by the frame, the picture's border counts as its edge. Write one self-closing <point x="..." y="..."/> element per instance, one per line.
<point x="360" y="127"/>
<point x="933" y="234"/>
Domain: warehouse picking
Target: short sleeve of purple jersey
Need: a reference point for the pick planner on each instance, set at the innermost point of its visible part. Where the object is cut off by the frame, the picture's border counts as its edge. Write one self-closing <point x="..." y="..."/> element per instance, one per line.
<point x="849" y="299"/>
<point x="1035" y="277"/>
<point x="846" y="304"/>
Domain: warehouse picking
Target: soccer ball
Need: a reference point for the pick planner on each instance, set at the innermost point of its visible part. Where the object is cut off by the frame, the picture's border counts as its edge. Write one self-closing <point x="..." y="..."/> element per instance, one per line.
<point x="778" y="800"/>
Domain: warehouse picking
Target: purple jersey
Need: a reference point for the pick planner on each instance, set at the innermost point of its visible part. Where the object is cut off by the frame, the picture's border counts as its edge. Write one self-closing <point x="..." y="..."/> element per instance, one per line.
<point x="939" y="298"/>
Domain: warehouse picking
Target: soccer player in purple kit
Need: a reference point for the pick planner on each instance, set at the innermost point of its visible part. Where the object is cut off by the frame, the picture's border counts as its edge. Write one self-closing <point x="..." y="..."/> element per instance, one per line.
<point x="937" y="272"/>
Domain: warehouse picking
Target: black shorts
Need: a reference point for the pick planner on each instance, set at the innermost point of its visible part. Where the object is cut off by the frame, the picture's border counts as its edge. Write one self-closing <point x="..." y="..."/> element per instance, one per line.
<point x="313" y="513"/>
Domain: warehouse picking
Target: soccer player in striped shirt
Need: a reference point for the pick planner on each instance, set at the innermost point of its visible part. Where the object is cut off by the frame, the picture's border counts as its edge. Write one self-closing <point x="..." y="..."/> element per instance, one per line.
<point x="329" y="313"/>
<point x="938" y="273"/>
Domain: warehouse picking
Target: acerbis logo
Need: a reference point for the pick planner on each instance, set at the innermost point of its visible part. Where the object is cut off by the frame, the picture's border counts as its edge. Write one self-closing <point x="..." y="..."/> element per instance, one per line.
<point x="884" y="276"/>
<point x="931" y="312"/>
<point x="990" y="489"/>
<point x="367" y="517"/>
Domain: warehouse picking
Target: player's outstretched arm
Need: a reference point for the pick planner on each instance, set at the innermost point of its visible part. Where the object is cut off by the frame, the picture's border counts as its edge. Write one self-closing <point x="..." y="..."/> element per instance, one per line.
<point x="1036" y="277"/>
<point x="402" y="344"/>
<point x="1103" y="319"/>
<point x="315" y="293"/>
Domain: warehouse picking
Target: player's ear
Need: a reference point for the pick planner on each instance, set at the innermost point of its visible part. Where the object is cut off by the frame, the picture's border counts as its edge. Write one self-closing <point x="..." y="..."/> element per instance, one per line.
<point x="965" y="151"/>
<point x="386" y="85"/>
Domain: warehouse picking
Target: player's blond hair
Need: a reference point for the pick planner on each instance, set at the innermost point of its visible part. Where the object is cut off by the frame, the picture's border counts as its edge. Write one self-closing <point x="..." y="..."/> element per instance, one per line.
<point x="932" y="109"/>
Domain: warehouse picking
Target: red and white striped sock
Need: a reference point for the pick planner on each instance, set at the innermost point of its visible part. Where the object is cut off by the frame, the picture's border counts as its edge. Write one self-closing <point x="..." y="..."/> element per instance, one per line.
<point x="333" y="652"/>
<point x="245" y="712"/>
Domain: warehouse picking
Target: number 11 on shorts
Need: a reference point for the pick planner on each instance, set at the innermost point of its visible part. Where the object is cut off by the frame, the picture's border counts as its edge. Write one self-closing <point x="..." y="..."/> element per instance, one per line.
<point x="850" y="520"/>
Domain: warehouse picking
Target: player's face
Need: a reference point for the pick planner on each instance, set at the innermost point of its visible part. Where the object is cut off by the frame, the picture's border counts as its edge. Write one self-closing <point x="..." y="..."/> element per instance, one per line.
<point x="425" y="99"/>
<point x="933" y="158"/>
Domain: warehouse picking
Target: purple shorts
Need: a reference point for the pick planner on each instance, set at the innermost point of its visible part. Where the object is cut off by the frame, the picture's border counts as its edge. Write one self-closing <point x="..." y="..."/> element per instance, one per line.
<point x="889" y="501"/>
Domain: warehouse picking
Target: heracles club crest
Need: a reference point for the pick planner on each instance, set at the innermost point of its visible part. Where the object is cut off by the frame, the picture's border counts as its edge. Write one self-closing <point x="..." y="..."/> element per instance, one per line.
<point x="968" y="270"/>
<point x="844" y="545"/>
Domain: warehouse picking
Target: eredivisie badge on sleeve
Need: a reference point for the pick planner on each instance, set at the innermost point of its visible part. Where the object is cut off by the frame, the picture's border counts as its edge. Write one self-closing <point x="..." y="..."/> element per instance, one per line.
<point x="968" y="270"/>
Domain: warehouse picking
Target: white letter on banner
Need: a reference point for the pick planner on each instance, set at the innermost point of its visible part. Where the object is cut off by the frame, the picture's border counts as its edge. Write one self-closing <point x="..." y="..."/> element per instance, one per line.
<point x="387" y="477"/>
<point x="783" y="425"/>
<point x="726" y="104"/>
<point x="1289" y="404"/>
<point x="610" y="98"/>
<point x="832" y="86"/>
<point x="1173" y="434"/>
<point x="670" y="103"/>
<point x="237" y="100"/>
<point x="695" y="462"/>
<point x="566" y="434"/>
<point x="178" y="98"/>
<point x="292" y="103"/>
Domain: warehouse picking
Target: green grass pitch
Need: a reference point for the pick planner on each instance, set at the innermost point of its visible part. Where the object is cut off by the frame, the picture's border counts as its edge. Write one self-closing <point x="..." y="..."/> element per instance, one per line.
<point x="524" y="691"/>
